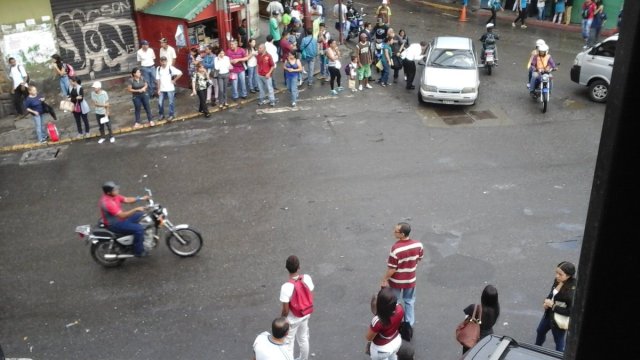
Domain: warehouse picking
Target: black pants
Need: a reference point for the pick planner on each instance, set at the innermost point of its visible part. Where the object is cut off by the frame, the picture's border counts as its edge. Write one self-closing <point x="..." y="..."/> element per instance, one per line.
<point x="18" y="100"/>
<point x="410" y="71"/>
<point x="335" y="74"/>
<point x="492" y="19"/>
<point x="522" y="15"/>
<point x="77" y="116"/>
<point x="202" y="97"/>
<point x="102" y="126"/>
<point x="395" y="73"/>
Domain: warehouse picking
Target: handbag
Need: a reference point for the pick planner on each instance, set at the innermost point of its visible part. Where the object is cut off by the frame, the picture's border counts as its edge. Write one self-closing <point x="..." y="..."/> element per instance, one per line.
<point x="561" y="320"/>
<point x="397" y="62"/>
<point x="104" y="119"/>
<point x="468" y="331"/>
<point x="66" y="105"/>
<point x="233" y="76"/>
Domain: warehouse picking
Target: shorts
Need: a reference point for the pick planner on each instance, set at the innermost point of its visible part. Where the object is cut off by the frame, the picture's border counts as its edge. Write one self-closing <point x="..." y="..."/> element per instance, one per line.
<point x="364" y="71"/>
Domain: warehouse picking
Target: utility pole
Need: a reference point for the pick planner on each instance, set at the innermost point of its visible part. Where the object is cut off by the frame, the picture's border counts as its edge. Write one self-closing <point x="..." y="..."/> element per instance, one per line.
<point x="342" y="24"/>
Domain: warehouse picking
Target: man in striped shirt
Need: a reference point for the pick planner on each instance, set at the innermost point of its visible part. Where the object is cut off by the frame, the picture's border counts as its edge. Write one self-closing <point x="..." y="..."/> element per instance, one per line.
<point x="401" y="268"/>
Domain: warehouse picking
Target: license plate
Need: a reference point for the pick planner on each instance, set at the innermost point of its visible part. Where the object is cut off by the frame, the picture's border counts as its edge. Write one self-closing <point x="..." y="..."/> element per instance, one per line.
<point x="448" y="102"/>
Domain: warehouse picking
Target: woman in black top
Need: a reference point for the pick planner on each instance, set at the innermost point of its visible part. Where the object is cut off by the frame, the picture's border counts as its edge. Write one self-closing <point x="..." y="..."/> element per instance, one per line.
<point x="137" y="86"/>
<point x="81" y="107"/>
<point x="559" y="300"/>
<point x="490" y="311"/>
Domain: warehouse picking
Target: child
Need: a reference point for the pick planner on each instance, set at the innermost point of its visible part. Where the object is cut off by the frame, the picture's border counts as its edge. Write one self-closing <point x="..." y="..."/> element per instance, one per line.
<point x="33" y="104"/>
<point x="100" y="100"/>
<point x="353" y="68"/>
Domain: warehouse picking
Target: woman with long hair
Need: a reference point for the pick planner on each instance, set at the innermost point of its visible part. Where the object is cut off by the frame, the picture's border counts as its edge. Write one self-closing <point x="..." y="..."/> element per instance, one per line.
<point x="252" y="66"/>
<point x="383" y="335"/>
<point x="81" y="107"/>
<point x="223" y="67"/>
<point x="137" y="86"/>
<point x="60" y="70"/>
<point x="333" y="56"/>
<point x="490" y="311"/>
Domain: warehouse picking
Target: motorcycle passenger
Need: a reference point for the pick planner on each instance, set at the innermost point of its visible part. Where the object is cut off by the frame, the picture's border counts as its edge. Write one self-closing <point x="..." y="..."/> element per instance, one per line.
<point x="542" y="62"/>
<point x="534" y="52"/>
<point x="123" y="222"/>
<point x="488" y="40"/>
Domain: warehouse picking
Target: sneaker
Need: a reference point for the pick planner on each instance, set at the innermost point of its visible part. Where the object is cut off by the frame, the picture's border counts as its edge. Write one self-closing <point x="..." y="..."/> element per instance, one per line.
<point x="354" y="90"/>
<point x="79" y="136"/>
<point x="101" y="140"/>
<point x="171" y="118"/>
<point x="383" y="84"/>
<point x="333" y="92"/>
<point x="272" y="104"/>
<point x="43" y="141"/>
<point x="360" y="87"/>
<point x="405" y="78"/>
<point x="137" y="126"/>
<point x="523" y="26"/>
<point x="261" y="102"/>
<point x="513" y="24"/>
<point x="152" y="123"/>
<point x="369" y="86"/>
<point x="339" y="88"/>
<point x="112" y="140"/>
<point x="293" y="104"/>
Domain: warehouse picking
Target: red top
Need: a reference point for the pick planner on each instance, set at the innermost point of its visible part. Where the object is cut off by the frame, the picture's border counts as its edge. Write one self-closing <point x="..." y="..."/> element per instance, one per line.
<point x="591" y="9"/>
<point x="404" y="258"/>
<point x="265" y="63"/>
<point x="386" y="333"/>
<point x="286" y="48"/>
<point x="109" y="207"/>
<point x="239" y="53"/>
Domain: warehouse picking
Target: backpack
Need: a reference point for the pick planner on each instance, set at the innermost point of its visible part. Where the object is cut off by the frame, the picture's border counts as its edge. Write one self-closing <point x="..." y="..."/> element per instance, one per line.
<point x="310" y="49"/>
<point x="70" y="70"/>
<point x="301" y="302"/>
<point x="347" y="69"/>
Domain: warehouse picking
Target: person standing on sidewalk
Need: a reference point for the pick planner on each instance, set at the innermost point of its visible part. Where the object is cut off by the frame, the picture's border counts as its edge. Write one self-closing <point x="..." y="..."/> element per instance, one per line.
<point x="20" y="80"/>
<point x="223" y="67"/>
<point x="238" y="56"/>
<point x="521" y="6"/>
<point x="401" y="269"/>
<point x="137" y="86"/>
<point x="147" y="59"/>
<point x="588" y="12"/>
<point x="296" y="296"/>
<point x="273" y="51"/>
<point x="166" y="77"/>
<point x="60" y="69"/>
<point x="333" y="54"/>
<point x="568" y="8"/>
<point x="100" y="100"/>
<point x="365" y="58"/>
<point x="266" y="65"/>
<point x="599" y="18"/>
<point x="308" y="54"/>
<point x="81" y="107"/>
<point x="292" y="69"/>
<point x="33" y="105"/>
<point x="199" y="84"/>
<point x="559" y="12"/>
<point x="208" y="61"/>
<point x="167" y="51"/>
<point x="415" y="52"/>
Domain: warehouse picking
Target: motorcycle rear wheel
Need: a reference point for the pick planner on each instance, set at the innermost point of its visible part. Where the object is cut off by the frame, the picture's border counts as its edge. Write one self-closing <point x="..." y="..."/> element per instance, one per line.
<point x="545" y="102"/>
<point x="100" y="249"/>
<point x="193" y="242"/>
<point x="489" y="68"/>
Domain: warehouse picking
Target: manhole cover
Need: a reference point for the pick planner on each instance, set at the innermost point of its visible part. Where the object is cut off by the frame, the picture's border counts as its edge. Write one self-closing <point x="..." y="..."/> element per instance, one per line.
<point x="483" y="115"/>
<point x="41" y="155"/>
<point x="449" y="111"/>
<point x="458" y="120"/>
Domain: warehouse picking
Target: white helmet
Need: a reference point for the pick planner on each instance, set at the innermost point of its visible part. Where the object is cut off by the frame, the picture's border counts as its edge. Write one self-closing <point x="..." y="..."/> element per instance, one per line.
<point x="540" y="42"/>
<point x="543" y="48"/>
<point x="490" y="25"/>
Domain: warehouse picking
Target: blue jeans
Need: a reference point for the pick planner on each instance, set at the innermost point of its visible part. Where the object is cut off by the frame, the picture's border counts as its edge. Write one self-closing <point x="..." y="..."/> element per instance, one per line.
<point x="141" y="101"/>
<point x="345" y="29"/>
<point x="240" y="80"/>
<point x="252" y="77"/>
<point x="540" y="13"/>
<point x="408" y="297"/>
<point x="544" y="327"/>
<point x="130" y="226"/>
<point x="309" y="66"/>
<point x="324" y="62"/>
<point x="265" y="85"/>
<point x="384" y="77"/>
<point x="292" y="86"/>
<point x="149" y="75"/>
<point x="171" y="95"/>
<point x="586" y="26"/>
<point x="39" y="125"/>
<point x="64" y="85"/>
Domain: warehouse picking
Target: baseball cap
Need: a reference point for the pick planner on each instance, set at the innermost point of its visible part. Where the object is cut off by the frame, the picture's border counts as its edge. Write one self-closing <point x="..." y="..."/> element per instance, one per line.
<point x="97" y="85"/>
<point x="163" y="40"/>
<point x="144" y="42"/>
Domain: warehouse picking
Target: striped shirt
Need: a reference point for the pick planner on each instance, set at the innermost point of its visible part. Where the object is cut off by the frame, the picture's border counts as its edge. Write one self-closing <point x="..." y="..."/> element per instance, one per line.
<point x="404" y="257"/>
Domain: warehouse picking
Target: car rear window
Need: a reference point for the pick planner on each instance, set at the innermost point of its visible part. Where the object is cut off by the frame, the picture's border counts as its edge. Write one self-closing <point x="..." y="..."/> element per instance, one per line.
<point x="451" y="58"/>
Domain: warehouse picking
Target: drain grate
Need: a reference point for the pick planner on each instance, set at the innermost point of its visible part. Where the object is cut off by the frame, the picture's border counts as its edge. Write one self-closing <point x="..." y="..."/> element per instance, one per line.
<point x="457" y="120"/>
<point x="41" y="155"/>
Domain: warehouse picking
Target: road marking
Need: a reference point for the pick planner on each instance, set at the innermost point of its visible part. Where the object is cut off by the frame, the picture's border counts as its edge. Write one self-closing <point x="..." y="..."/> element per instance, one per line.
<point x="281" y="110"/>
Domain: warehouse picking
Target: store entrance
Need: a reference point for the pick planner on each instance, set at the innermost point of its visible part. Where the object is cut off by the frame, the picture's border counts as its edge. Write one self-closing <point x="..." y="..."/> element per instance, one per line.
<point x="204" y="33"/>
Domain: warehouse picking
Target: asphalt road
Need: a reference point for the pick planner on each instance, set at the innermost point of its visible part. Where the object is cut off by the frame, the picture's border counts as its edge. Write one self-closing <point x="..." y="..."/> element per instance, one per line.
<point x="498" y="193"/>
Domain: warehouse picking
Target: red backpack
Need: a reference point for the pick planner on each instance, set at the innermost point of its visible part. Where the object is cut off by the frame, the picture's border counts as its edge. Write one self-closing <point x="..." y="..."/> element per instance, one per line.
<point x="301" y="302"/>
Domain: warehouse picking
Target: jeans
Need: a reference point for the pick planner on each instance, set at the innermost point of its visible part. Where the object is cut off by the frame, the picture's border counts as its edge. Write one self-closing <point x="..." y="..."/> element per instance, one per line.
<point x="171" y="95"/>
<point x="39" y="125"/>
<point x="309" y="66"/>
<point x="586" y="26"/>
<point x="535" y="78"/>
<point x="292" y="86"/>
<point x="298" y="332"/>
<point x="544" y="327"/>
<point x="384" y="77"/>
<point x="252" y="77"/>
<point x="240" y="80"/>
<point x="149" y="75"/>
<point x="64" y="85"/>
<point x="130" y="226"/>
<point x="265" y="84"/>
<point x="388" y="351"/>
<point x="324" y="61"/>
<point x="139" y="101"/>
<point x="101" y="126"/>
<point x="223" y="81"/>
<point x="79" y="115"/>
<point x="408" y="297"/>
<point x="540" y="12"/>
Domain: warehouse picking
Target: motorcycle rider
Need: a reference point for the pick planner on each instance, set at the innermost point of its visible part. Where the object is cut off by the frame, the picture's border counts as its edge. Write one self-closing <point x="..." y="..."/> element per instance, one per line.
<point x="488" y="40"/>
<point x="123" y="222"/>
<point x="534" y="52"/>
<point x="541" y="62"/>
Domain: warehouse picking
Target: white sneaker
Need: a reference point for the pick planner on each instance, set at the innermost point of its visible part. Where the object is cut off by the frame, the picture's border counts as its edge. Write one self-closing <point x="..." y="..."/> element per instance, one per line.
<point x="360" y="87"/>
<point x="101" y="140"/>
<point x="79" y="136"/>
<point x="112" y="140"/>
<point x="369" y="86"/>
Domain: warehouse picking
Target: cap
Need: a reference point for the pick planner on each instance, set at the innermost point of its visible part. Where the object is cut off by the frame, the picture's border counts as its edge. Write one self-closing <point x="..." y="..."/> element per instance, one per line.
<point x="97" y="85"/>
<point x="144" y="42"/>
<point x="163" y="40"/>
<point x="163" y="58"/>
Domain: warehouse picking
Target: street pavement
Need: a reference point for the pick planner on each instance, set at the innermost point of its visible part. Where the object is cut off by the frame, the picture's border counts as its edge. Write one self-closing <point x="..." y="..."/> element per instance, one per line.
<point x="498" y="193"/>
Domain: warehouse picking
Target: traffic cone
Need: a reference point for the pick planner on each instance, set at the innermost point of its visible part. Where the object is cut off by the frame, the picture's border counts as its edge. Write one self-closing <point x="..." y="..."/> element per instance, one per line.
<point x="463" y="14"/>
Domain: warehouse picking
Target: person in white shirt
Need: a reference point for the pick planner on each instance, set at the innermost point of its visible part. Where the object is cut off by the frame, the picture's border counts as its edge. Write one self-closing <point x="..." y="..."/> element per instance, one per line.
<point x="298" y="326"/>
<point x="275" y="6"/>
<point x="223" y="66"/>
<point x="415" y="52"/>
<point x="272" y="346"/>
<point x="341" y="14"/>
<point x="20" y="79"/>
<point x="147" y="59"/>
<point x="166" y="77"/>
<point x="273" y="51"/>
<point x="167" y="51"/>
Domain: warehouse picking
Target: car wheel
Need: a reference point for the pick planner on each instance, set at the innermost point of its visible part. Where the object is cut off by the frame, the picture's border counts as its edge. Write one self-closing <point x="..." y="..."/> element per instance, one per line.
<point x="598" y="91"/>
<point x="420" y="99"/>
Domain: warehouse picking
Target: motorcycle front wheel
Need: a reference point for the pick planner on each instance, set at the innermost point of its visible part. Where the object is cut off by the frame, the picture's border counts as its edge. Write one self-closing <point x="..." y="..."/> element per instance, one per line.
<point x="99" y="250"/>
<point x="191" y="245"/>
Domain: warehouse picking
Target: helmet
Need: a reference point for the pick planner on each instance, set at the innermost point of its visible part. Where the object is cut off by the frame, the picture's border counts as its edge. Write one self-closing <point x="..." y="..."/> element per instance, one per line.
<point x="109" y="186"/>
<point x="540" y="42"/>
<point x="489" y="25"/>
<point x="543" y="48"/>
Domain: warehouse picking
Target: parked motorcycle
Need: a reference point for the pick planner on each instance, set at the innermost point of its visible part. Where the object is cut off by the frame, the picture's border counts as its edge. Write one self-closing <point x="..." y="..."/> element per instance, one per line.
<point x="542" y="92"/>
<point x="356" y="20"/>
<point x="110" y="249"/>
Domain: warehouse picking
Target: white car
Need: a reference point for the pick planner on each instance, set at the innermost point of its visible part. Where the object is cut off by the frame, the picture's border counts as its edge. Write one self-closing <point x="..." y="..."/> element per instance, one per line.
<point x="450" y="74"/>
<point x="593" y="68"/>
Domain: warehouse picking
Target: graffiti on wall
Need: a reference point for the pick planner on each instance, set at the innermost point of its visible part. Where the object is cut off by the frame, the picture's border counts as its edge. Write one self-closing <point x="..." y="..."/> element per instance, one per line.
<point x="98" y="39"/>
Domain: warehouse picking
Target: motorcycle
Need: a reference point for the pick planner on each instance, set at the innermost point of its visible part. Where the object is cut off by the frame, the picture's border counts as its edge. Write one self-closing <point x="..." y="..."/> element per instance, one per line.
<point x="542" y="92"/>
<point x="110" y="249"/>
<point x="356" y="21"/>
<point x="488" y="60"/>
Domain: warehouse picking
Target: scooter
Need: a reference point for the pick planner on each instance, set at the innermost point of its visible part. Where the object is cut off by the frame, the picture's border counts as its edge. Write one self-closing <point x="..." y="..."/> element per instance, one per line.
<point x="110" y="249"/>
<point x="489" y="59"/>
<point x="542" y="92"/>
